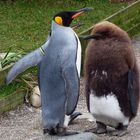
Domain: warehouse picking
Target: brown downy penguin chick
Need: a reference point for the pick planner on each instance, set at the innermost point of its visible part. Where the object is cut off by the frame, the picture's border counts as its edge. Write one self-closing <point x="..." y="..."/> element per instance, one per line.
<point x="112" y="78"/>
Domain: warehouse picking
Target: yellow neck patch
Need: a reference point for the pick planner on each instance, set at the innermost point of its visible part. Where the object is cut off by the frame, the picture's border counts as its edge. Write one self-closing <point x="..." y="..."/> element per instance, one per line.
<point x="59" y="20"/>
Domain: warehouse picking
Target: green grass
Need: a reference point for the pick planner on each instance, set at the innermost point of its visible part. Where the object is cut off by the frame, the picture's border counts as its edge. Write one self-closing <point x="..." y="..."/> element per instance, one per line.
<point x="25" y="24"/>
<point x="6" y="90"/>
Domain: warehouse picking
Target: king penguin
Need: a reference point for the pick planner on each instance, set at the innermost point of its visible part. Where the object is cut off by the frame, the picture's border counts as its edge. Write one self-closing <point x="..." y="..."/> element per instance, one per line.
<point x="111" y="78"/>
<point x="59" y="64"/>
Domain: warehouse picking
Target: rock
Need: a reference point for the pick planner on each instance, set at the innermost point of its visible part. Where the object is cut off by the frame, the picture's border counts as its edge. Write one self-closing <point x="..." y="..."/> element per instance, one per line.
<point x="35" y="98"/>
<point x="87" y="116"/>
<point x="80" y="136"/>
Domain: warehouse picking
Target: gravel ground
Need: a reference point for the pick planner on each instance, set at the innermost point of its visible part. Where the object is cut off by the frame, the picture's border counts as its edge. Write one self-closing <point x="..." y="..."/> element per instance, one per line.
<point x="24" y="123"/>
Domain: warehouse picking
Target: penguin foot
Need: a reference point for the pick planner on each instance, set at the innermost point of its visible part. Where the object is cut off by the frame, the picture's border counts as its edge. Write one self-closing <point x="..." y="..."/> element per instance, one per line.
<point x="100" y="129"/>
<point x="120" y="131"/>
<point x="96" y="130"/>
<point x="61" y="131"/>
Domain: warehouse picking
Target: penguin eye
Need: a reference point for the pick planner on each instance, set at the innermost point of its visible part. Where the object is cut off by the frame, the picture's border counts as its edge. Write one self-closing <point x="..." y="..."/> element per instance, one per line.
<point x="59" y="20"/>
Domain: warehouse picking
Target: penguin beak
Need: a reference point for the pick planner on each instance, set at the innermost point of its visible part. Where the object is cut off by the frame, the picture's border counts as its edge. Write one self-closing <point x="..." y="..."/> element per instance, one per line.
<point x="81" y="11"/>
<point x="86" y="37"/>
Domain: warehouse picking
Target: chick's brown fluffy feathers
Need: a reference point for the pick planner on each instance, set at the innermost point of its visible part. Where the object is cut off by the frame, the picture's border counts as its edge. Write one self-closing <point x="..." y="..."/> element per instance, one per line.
<point x="113" y="53"/>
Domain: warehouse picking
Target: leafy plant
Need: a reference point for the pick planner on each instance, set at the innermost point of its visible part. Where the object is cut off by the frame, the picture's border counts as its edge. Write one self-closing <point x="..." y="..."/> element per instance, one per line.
<point x="9" y="58"/>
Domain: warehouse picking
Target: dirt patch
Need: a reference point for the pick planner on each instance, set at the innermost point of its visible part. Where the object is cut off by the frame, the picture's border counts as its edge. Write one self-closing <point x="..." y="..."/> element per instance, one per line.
<point x="24" y="123"/>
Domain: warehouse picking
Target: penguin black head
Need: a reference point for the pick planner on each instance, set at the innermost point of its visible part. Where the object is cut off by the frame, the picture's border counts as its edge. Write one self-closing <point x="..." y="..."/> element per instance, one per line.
<point x="65" y="18"/>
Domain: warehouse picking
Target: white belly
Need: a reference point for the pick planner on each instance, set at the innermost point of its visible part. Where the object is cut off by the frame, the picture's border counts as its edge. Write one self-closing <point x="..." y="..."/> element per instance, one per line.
<point x="106" y="109"/>
<point x="78" y="60"/>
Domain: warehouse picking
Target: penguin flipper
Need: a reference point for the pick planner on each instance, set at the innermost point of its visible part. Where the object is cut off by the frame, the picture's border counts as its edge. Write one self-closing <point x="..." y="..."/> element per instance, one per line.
<point x="131" y="90"/>
<point x="72" y="84"/>
<point x="29" y="60"/>
<point x="24" y="63"/>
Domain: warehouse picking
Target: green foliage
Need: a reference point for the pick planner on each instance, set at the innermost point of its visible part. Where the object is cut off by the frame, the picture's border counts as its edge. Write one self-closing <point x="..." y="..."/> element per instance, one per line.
<point x="8" y="59"/>
<point x="25" y="23"/>
<point x="6" y="90"/>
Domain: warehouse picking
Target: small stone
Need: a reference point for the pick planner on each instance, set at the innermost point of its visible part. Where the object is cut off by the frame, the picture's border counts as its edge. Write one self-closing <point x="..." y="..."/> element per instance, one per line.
<point x="11" y="113"/>
<point x="87" y="116"/>
<point x="35" y="98"/>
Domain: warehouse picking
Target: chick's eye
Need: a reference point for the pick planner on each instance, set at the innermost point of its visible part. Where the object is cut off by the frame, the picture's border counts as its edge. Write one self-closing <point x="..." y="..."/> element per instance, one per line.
<point x="59" y="20"/>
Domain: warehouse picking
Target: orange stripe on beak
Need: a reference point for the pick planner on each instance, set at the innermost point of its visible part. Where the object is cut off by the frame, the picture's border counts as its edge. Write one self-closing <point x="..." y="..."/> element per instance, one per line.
<point x="77" y="14"/>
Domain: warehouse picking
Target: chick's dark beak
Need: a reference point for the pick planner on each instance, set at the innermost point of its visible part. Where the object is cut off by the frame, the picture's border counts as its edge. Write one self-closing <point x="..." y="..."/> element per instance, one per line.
<point x="86" y="37"/>
<point x="81" y="11"/>
<point x="76" y="26"/>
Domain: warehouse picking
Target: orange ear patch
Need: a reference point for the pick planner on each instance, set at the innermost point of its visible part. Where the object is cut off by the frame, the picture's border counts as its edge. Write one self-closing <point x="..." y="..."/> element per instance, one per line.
<point x="59" y="20"/>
